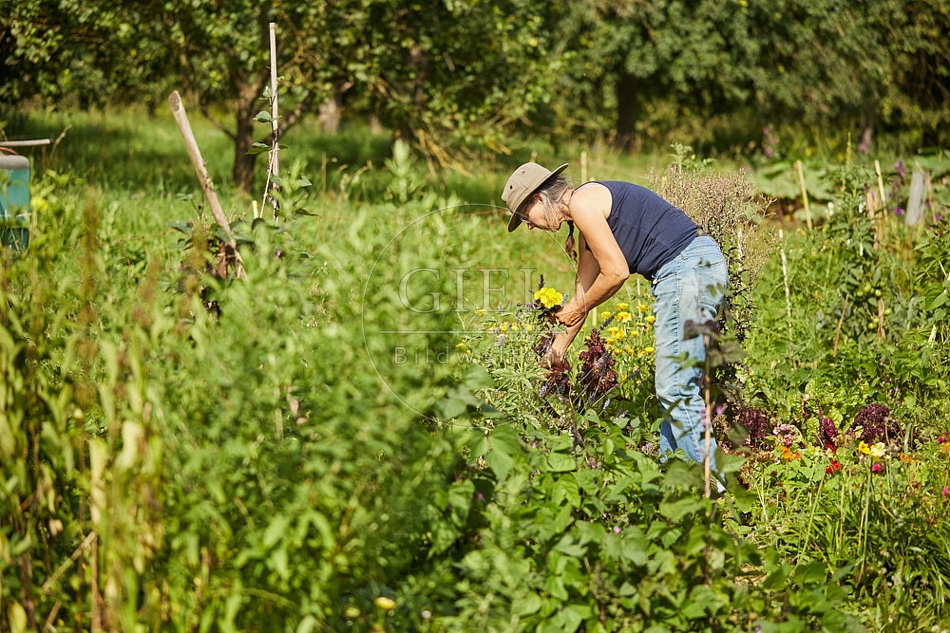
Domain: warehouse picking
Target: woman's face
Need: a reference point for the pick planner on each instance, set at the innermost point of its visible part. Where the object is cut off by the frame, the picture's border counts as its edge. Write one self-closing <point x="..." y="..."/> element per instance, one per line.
<point x="534" y="216"/>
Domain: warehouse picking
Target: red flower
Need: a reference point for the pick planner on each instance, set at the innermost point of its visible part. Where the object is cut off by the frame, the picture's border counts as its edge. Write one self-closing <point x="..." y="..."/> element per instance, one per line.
<point x="833" y="467"/>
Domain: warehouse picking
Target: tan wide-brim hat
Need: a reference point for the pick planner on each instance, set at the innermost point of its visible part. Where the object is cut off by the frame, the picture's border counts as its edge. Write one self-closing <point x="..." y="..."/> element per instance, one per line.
<point x="521" y="184"/>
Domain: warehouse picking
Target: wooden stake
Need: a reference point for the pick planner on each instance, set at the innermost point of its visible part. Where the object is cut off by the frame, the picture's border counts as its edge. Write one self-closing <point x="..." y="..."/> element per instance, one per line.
<point x="801" y="182"/>
<point x="707" y="461"/>
<point x="880" y="317"/>
<point x="844" y="308"/>
<point x="880" y="183"/>
<point x="273" y="168"/>
<point x="207" y="185"/>
<point x="788" y="295"/>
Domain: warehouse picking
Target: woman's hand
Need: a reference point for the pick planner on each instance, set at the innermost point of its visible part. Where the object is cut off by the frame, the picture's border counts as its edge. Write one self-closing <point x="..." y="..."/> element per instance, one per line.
<point x="570" y="315"/>
<point x="554" y="360"/>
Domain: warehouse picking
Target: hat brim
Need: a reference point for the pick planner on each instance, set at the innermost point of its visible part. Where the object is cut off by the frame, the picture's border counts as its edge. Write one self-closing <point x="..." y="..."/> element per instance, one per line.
<point x="515" y="219"/>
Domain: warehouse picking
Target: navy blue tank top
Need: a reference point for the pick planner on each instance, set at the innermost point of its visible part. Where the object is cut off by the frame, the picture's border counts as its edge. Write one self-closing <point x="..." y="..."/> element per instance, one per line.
<point x="649" y="230"/>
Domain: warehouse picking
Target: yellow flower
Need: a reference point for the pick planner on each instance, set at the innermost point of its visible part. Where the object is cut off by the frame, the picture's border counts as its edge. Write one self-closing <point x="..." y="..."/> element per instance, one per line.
<point x="504" y="327"/>
<point x="650" y="319"/>
<point x="642" y="307"/>
<point x="605" y="315"/>
<point x="529" y="327"/>
<point x="385" y="603"/>
<point x="620" y="335"/>
<point x="514" y="327"/>
<point x="877" y="451"/>
<point x="648" y="350"/>
<point x="623" y="317"/>
<point x="611" y="340"/>
<point x="629" y="350"/>
<point x="634" y="333"/>
<point x="548" y="297"/>
<point x="864" y="448"/>
<point x="480" y="312"/>
<point x="623" y="306"/>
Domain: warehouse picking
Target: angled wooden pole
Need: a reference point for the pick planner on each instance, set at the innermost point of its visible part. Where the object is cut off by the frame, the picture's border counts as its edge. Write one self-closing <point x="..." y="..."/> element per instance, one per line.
<point x="207" y="185"/>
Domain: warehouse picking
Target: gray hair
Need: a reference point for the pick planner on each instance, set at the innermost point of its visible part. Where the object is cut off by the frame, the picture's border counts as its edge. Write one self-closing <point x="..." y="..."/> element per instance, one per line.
<point x="551" y="193"/>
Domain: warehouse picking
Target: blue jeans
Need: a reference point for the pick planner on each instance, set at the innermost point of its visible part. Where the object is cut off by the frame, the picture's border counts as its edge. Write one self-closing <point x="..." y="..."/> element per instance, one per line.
<point x="691" y="287"/>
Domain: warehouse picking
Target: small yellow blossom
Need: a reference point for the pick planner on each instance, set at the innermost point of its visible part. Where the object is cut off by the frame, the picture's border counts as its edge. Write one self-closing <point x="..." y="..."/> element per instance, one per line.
<point x="611" y="340"/>
<point x="877" y="451"/>
<point x="503" y="327"/>
<point x="548" y="297"/>
<point x="650" y="319"/>
<point x="623" y="306"/>
<point x="634" y="333"/>
<point x="622" y="316"/>
<point x="864" y="448"/>
<point x="648" y="350"/>
<point x="605" y="315"/>
<point x="642" y="307"/>
<point x="620" y="335"/>
<point x="480" y="312"/>
<point x="514" y="327"/>
<point x="385" y="603"/>
<point x="629" y="350"/>
<point x="529" y="327"/>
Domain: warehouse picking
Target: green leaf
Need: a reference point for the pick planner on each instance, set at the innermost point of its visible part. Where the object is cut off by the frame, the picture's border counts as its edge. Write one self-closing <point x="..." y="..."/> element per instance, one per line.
<point x="676" y="510"/>
<point x="560" y="463"/>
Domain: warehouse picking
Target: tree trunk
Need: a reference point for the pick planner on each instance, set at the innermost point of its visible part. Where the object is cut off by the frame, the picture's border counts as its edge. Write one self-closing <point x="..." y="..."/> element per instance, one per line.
<point x="867" y="133"/>
<point x="628" y="111"/>
<point x="243" y="172"/>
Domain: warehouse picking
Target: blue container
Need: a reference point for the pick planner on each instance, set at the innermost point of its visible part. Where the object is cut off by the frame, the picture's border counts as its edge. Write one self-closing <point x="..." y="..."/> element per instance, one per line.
<point x="14" y="201"/>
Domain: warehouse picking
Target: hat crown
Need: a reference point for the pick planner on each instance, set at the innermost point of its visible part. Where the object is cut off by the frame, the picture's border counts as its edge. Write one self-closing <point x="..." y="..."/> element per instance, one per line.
<point x="521" y="184"/>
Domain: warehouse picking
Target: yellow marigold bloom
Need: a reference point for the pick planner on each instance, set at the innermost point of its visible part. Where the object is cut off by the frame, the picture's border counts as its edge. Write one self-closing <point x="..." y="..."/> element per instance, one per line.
<point x="620" y="335"/>
<point x="648" y="350"/>
<point x="629" y="350"/>
<point x="514" y="327"/>
<point x="634" y="333"/>
<point x="877" y="451"/>
<point x="642" y="307"/>
<point x="480" y="312"/>
<point x="611" y="340"/>
<point x="623" y="306"/>
<point x="613" y="331"/>
<point x="788" y="454"/>
<point x="605" y="315"/>
<point x="529" y="327"/>
<point x="385" y="603"/>
<point x="616" y="351"/>
<point x="623" y="317"/>
<point x="864" y="448"/>
<point x="503" y="327"/>
<point x="650" y="319"/>
<point x="548" y="297"/>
